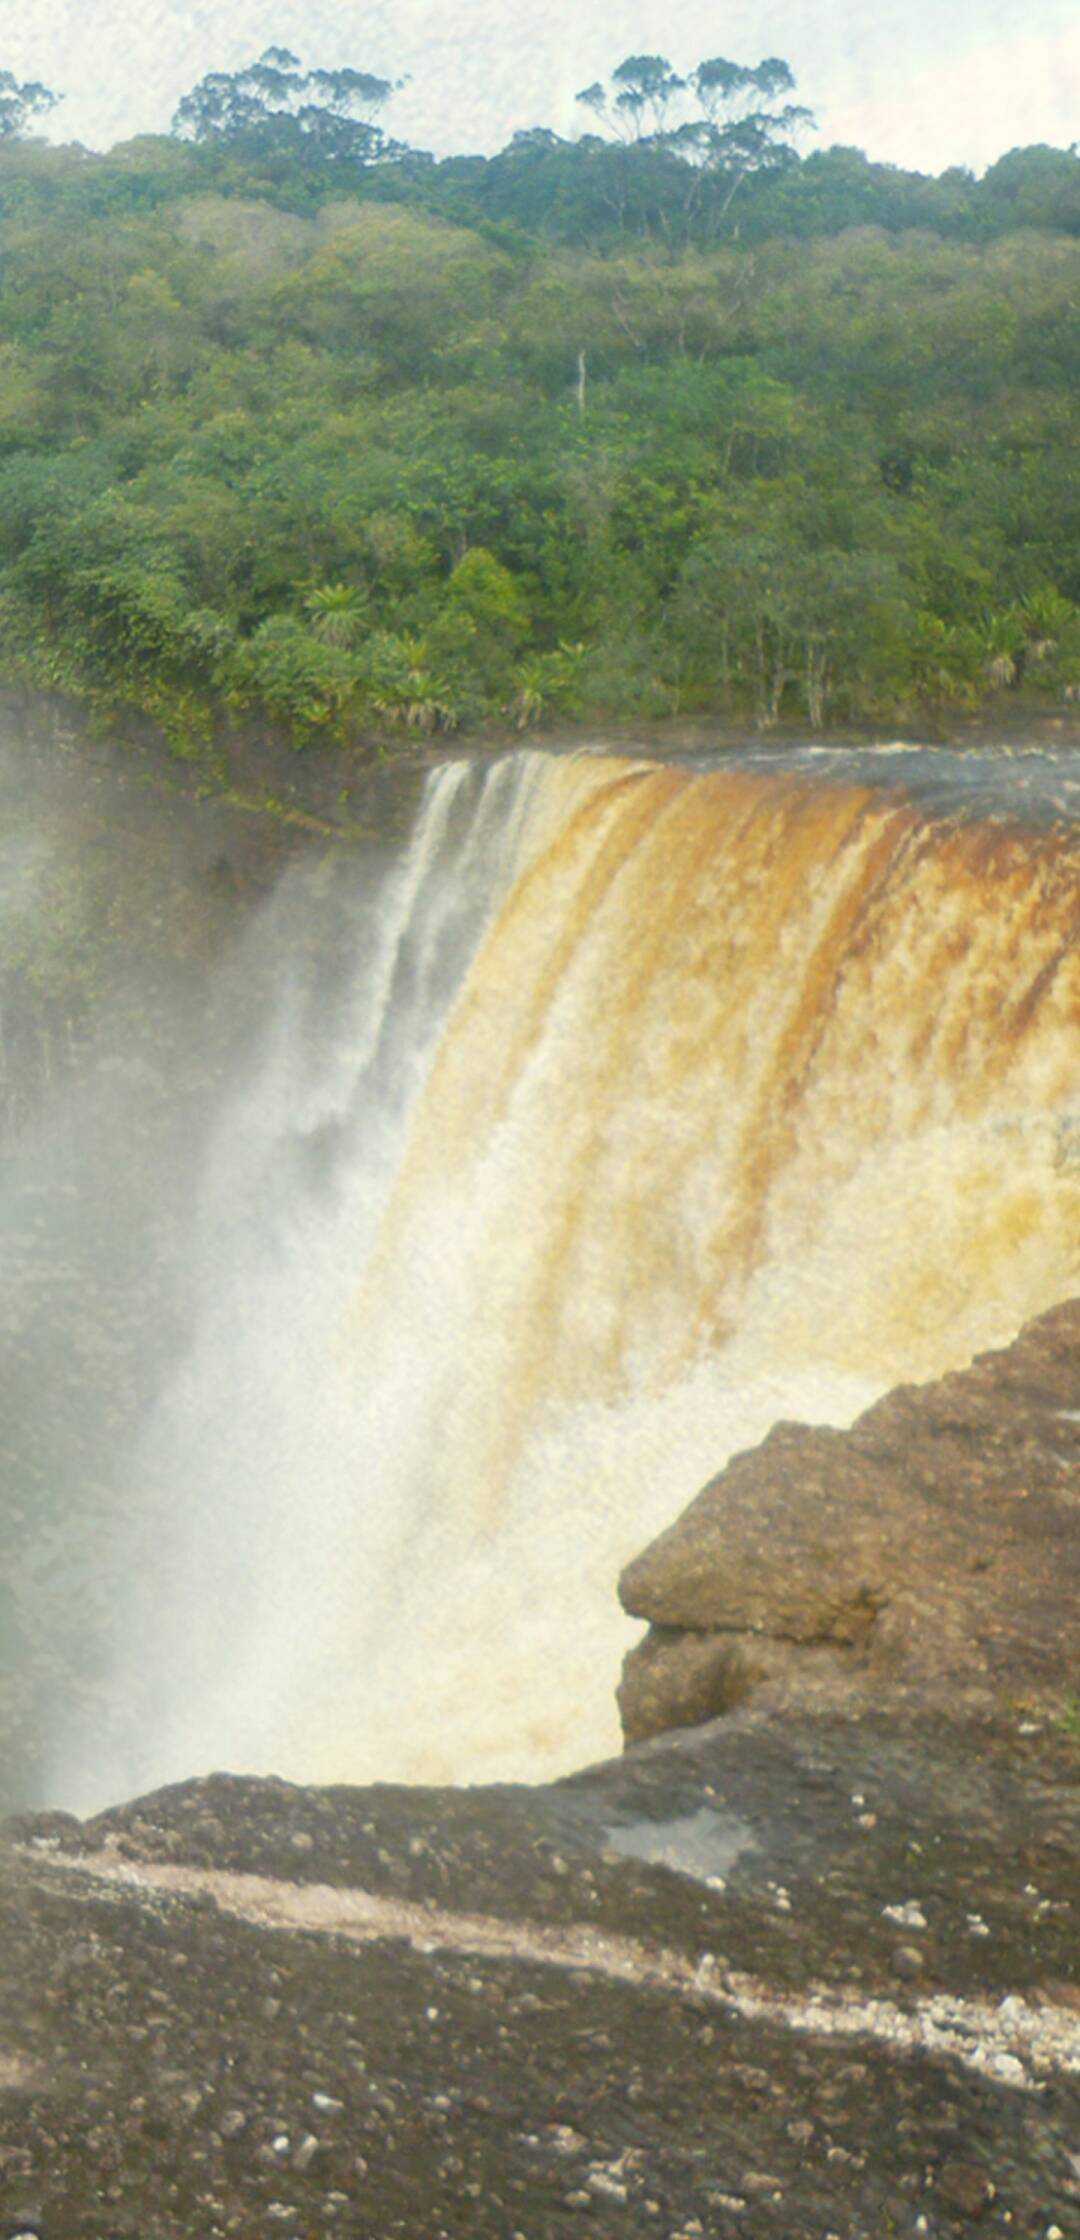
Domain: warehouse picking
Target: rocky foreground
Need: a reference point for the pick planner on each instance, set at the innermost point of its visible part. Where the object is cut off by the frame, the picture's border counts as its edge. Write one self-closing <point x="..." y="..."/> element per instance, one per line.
<point x="849" y="2003"/>
<point x="809" y="1971"/>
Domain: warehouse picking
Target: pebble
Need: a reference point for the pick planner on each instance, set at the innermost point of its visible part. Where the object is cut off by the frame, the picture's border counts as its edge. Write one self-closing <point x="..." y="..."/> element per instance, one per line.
<point x="232" y="2123"/>
<point x="910" y="1915"/>
<point x="598" y="2181"/>
<point x="565" y="2140"/>
<point x="907" y="1961"/>
<point x="1006" y="2067"/>
<point x="965" y="2187"/>
<point x="306" y="2152"/>
<point x="1013" y="2008"/>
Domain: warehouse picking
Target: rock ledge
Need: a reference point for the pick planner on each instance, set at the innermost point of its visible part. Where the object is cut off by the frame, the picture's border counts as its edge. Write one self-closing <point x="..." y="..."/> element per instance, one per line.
<point x="930" y="1554"/>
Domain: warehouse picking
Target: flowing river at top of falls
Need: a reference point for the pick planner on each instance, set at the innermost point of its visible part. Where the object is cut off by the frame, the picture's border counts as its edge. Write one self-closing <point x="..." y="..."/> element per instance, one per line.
<point x="656" y="1105"/>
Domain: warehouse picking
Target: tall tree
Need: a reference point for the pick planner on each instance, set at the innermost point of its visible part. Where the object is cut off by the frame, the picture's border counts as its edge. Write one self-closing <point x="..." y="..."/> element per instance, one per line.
<point x="642" y="91"/>
<point x="743" y="123"/>
<point x="20" y="103"/>
<point x="275" y="104"/>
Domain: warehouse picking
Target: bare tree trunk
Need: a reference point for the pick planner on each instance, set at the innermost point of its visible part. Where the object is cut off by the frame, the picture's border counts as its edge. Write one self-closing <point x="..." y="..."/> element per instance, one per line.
<point x="816" y="684"/>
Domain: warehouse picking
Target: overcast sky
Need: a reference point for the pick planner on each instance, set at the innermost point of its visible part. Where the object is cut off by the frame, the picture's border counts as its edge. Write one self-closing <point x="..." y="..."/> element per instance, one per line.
<point x="914" y="82"/>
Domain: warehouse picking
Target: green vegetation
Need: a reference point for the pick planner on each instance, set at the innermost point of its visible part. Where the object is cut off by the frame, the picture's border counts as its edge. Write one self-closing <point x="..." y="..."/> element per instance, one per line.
<point x="297" y="422"/>
<point x="1069" y="1718"/>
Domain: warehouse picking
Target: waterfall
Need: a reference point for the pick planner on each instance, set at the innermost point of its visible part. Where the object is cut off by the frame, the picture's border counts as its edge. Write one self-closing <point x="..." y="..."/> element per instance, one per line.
<point x="647" y="1106"/>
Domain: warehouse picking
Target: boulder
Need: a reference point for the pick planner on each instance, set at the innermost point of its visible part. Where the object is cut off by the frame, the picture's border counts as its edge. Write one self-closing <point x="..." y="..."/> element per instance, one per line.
<point x="930" y="1552"/>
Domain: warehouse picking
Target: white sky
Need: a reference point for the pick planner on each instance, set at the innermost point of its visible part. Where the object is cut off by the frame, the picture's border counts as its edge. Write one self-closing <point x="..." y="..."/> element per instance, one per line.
<point x="911" y="81"/>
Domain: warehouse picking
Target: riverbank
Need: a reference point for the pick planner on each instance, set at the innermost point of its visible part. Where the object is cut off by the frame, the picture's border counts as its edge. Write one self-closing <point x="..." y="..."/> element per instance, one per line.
<point x="341" y="792"/>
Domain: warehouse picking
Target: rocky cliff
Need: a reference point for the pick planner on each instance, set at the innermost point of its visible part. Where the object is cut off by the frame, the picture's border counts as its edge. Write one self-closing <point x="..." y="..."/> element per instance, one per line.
<point x="930" y="1554"/>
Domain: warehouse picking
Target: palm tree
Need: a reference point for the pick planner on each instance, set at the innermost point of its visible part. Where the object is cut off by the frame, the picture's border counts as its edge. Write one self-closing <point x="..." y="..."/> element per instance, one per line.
<point x="1003" y="647"/>
<point x="338" y="613"/>
<point x="1046" y="614"/>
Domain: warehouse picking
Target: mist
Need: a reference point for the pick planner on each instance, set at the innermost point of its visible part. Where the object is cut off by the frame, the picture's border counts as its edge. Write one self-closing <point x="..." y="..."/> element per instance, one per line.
<point x="132" y="989"/>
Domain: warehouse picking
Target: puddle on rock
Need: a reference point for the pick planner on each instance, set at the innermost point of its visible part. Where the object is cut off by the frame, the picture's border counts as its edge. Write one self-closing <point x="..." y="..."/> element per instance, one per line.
<point x="705" y="1843"/>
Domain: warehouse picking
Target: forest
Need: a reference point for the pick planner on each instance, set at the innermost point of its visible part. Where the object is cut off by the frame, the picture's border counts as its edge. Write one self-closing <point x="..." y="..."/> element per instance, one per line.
<point x="674" y="418"/>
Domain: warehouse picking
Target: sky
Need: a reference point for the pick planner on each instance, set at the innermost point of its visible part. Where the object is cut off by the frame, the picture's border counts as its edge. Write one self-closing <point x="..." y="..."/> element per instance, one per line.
<point x="913" y="82"/>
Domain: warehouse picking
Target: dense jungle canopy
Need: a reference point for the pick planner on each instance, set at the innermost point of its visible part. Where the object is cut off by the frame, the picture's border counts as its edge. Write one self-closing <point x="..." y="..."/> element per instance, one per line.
<point x="672" y="418"/>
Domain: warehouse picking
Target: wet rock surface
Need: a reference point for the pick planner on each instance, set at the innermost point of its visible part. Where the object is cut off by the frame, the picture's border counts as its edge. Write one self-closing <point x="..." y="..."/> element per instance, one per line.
<point x="849" y="2001"/>
<point x="929" y="1554"/>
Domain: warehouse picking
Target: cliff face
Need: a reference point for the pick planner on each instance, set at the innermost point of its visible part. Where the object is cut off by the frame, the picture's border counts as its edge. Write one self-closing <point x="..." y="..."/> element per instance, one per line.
<point x="931" y="1553"/>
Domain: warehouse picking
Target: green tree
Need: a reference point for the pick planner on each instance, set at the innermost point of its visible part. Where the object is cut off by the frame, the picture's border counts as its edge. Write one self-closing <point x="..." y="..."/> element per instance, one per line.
<point x="741" y="122"/>
<point x="306" y="685"/>
<point x="274" y="104"/>
<point x="642" y="91"/>
<point x="20" y="104"/>
<point x="746" y="126"/>
<point x="338" y="612"/>
<point x="1037" y="186"/>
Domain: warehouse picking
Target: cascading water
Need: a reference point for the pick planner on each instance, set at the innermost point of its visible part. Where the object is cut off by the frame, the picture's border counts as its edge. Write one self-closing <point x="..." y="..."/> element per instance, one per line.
<point x="653" y="1106"/>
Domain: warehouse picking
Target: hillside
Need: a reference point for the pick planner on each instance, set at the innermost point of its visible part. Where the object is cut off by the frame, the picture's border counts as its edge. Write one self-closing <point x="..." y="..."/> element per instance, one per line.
<point x="367" y="448"/>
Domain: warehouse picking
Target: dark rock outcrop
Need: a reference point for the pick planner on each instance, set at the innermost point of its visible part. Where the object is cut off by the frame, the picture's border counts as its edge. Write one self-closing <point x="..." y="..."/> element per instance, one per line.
<point x="782" y="1979"/>
<point x="930" y="1553"/>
